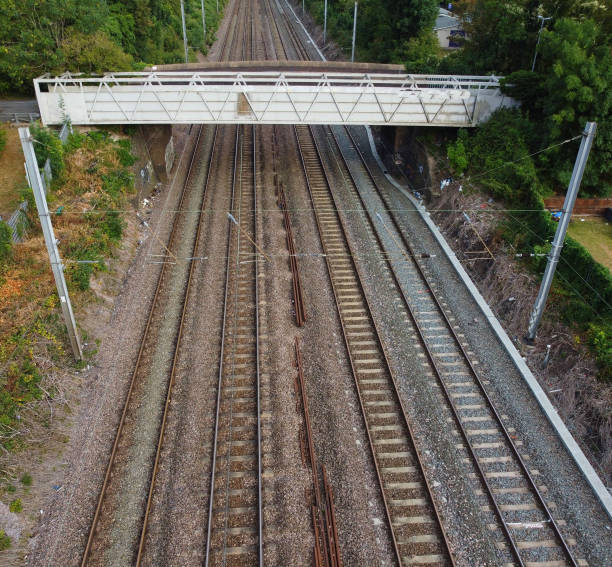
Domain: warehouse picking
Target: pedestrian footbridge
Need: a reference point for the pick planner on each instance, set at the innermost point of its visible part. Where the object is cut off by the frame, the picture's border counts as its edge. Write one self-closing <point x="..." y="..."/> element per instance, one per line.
<point x="312" y="94"/>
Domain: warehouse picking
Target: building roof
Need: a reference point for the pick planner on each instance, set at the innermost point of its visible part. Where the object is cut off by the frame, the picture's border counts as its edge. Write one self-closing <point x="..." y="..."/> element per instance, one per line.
<point x="446" y="20"/>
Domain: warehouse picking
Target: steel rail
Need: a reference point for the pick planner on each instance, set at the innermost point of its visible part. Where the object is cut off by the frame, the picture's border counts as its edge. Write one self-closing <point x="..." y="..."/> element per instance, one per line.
<point x="257" y="358"/>
<point x="394" y="389"/>
<point x="277" y="29"/>
<point x="300" y="49"/>
<point x="225" y="324"/>
<point x="176" y="354"/>
<point x="160" y="278"/>
<point x="221" y="353"/>
<point x="428" y="352"/>
<point x="226" y="36"/>
<point x="507" y="437"/>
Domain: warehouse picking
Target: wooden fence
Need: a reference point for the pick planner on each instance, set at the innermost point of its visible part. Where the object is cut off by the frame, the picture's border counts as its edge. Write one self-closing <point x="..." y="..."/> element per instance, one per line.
<point x="582" y="207"/>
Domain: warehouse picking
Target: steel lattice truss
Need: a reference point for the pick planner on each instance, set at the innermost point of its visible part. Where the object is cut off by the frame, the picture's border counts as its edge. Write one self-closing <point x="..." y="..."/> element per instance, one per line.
<point x="269" y="98"/>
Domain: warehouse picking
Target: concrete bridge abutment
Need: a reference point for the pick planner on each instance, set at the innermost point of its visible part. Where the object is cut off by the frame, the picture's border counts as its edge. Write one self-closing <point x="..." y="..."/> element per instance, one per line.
<point x="160" y="145"/>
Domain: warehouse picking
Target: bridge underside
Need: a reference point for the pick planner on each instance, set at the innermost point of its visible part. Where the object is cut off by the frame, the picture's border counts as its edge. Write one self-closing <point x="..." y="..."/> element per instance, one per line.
<point x="273" y="95"/>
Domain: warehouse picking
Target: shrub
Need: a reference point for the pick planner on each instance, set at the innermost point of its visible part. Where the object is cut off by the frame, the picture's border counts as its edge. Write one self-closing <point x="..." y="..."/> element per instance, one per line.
<point x="93" y="53"/>
<point x="16" y="506"/>
<point x="48" y="146"/>
<point x="81" y="276"/>
<point x="117" y="182"/>
<point x="600" y="340"/>
<point x="74" y="142"/>
<point x="26" y="479"/>
<point x="2" y="140"/>
<point x="124" y="153"/>
<point x="5" y="541"/>
<point x="457" y="153"/>
<point x="113" y="225"/>
<point x="500" y="147"/>
<point x="6" y="242"/>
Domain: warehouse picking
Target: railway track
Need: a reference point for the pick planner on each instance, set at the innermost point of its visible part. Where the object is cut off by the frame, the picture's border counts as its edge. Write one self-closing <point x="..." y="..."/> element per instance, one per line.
<point x="97" y="540"/>
<point x="531" y="533"/>
<point x="414" y="523"/>
<point x="235" y="503"/>
<point x="506" y="484"/>
<point x="102" y="535"/>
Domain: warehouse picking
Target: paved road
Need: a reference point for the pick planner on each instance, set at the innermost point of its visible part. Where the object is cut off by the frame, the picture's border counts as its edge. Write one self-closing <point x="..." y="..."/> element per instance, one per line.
<point x="8" y="109"/>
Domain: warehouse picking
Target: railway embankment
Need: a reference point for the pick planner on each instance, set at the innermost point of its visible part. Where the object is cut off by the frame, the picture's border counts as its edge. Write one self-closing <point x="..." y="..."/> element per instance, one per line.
<point x="560" y="359"/>
<point x="101" y="198"/>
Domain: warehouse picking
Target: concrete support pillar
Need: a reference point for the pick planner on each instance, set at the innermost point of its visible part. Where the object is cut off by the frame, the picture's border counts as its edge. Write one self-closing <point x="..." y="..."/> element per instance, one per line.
<point x="160" y="144"/>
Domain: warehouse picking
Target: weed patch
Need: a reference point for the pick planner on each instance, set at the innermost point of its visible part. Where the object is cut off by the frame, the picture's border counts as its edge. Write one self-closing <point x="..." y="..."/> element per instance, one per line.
<point x="90" y="189"/>
<point x="5" y="541"/>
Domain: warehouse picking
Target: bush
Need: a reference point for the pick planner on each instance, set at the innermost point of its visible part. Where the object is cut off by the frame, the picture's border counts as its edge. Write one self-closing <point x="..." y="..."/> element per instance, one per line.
<point x="48" y="146"/>
<point x="26" y="479"/>
<point x="457" y="154"/>
<point x="2" y="140"/>
<point x="16" y="506"/>
<point x="6" y="242"/>
<point x="93" y="53"/>
<point x="420" y="53"/>
<point x="117" y="182"/>
<point x="600" y="340"/>
<point x="5" y="541"/>
<point x="113" y="226"/>
<point x="124" y="153"/>
<point x="74" y="142"/>
<point x="499" y="153"/>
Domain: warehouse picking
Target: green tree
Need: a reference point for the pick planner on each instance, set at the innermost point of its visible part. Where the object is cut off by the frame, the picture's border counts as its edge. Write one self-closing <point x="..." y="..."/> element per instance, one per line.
<point x="571" y="88"/>
<point x="497" y="36"/>
<point x="409" y="17"/>
<point x="32" y="33"/>
<point x="421" y="53"/>
<point x="94" y="53"/>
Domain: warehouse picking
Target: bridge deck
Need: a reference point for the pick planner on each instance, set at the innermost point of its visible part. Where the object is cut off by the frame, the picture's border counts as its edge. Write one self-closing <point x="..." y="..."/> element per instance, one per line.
<point x="283" y="67"/>
<point x="312" y="93"/>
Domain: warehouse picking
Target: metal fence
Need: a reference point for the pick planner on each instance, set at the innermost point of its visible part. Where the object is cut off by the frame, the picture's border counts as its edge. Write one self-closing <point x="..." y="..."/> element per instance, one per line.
<point x="18" y="220"/>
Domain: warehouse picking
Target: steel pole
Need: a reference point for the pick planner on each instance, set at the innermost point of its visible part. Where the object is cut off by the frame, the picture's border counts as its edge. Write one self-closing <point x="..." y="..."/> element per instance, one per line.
<point x="354" y="33"/>
<point x="557" y="245"/>
<point x="47" y="229"/>
<point x="184" y="31"/>
<point x="325" y="23"/>
<point x="535" y="54"/>
<point x="204" y="21"/>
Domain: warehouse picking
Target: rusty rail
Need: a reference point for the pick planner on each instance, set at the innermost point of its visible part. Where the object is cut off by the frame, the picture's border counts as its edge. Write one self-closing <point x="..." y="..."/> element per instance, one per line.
<point x="298" y="295"/>
<point x="326" y="545"/>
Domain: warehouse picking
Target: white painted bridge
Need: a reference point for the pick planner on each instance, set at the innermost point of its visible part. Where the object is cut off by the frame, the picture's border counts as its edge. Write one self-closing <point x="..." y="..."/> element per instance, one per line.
<point x="269" y="97"/>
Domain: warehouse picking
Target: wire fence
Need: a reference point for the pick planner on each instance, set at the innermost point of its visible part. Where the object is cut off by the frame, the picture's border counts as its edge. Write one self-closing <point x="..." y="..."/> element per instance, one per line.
<point x="18" y="220"/>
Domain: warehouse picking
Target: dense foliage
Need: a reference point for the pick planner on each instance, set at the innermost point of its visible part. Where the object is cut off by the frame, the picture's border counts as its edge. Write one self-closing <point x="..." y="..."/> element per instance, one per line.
<point x="570" y="85"/>
<point x="497" y="156"/>
<point x="385" y="28"/>
<point x="91" y="36"/>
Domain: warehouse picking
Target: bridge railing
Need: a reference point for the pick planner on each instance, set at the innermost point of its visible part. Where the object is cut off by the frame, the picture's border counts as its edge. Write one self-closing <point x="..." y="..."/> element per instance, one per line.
<point x="278" y="97"/>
